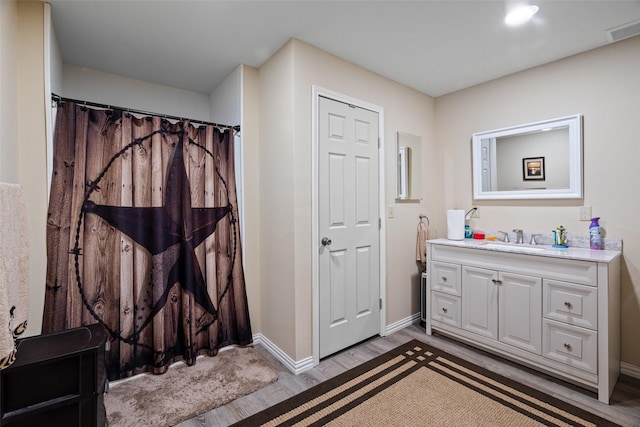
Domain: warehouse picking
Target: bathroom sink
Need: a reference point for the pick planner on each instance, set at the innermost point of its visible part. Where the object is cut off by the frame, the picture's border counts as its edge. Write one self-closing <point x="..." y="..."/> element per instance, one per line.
<point x="512" y="247"/>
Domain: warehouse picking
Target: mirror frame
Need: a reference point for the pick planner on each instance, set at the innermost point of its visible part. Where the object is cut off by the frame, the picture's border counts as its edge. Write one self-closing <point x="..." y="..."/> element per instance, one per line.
<point x="574" y="191"/>
<point x="413" y="169"/>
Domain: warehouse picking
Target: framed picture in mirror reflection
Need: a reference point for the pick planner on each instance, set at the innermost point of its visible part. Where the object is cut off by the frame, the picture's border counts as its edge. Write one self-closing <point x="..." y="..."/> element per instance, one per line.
<point x="533" y="169"/>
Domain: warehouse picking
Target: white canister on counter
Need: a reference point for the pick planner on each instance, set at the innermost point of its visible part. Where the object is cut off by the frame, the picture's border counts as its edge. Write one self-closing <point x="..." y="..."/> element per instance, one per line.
<point x="455" y="224"/>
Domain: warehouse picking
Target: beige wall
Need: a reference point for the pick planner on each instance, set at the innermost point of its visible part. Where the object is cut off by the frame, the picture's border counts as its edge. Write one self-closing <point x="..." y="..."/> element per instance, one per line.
<point x="276" y="200"/>
<point x="105" y="88"/>
<point x="251" y="165"/>
<point x="405" y="110"/>
<point x="225" y="103"/>
<point x="32" y="151"/>
<point x="8" y="91"/>
<point x="604" y="86"/>
<point x="286" y="186"/>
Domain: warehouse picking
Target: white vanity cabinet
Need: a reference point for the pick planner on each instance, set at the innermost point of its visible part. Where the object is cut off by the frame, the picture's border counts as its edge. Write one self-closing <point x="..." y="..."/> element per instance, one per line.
<point x="553" y="310"/>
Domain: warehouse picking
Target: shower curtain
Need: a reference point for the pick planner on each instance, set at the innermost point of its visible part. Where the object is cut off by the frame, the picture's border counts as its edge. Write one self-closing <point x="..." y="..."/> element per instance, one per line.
<point x="143" y="237"/>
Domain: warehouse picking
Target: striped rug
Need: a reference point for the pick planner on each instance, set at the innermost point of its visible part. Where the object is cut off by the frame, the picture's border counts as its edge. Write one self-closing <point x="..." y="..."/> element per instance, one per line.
<point x="419" y="385"/>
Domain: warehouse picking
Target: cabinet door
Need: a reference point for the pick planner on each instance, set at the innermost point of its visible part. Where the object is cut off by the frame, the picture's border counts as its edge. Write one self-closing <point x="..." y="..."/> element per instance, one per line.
<point x="480" y="301"/>
<point x="520" y="311"/>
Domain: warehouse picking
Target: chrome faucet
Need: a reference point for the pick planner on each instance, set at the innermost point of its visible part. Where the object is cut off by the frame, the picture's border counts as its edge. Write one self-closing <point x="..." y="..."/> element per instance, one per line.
<point x="506" y="236"/>
<point x="533" y="239"/>
<point x="519" y="238"/>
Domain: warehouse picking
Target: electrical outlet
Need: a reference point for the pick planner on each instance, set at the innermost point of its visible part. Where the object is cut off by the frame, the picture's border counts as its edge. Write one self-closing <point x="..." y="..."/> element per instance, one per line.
<point x="476" y="213"/>
<point x="585" y="213"/>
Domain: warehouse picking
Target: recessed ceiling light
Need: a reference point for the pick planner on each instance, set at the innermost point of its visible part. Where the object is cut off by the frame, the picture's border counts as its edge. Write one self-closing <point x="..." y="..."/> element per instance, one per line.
<point x="520" y="15"/>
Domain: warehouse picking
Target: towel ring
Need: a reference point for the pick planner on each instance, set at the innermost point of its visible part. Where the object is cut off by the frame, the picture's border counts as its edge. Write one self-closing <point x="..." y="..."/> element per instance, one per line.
<point x="421" y="223"/>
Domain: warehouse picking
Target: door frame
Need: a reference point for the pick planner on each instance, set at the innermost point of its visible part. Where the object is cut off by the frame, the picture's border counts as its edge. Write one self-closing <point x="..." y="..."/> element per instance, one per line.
<point x="317" y="92"/>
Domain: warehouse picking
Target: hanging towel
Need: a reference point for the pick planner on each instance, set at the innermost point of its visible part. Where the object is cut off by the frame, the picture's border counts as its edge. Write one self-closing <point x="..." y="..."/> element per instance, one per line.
<point x="421" y="243"/>
<point x="14" y="270"/>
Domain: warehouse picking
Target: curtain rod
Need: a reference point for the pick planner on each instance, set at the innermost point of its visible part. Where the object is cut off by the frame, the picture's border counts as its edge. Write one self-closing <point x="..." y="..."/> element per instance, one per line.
<point x="59" y="98"/>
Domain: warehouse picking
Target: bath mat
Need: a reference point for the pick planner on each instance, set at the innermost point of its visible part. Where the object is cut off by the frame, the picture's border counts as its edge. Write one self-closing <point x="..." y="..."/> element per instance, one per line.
<point x="186" y="391"/>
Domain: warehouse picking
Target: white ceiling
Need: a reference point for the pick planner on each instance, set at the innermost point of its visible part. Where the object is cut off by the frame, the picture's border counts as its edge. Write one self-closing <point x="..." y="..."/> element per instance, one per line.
<point x="436" y="47"/>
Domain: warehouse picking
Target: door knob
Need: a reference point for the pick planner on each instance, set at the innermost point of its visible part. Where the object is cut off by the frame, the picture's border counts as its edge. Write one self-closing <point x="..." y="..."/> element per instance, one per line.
<point x="325" y="241"/>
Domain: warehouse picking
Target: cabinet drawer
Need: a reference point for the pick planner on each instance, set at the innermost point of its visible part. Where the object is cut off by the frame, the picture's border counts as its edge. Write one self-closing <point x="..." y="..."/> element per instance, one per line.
<point x="445" y="277"/>
<point x="571" y="303"/>
<point x="570" y="345"/>
<point x="445" y="308"/>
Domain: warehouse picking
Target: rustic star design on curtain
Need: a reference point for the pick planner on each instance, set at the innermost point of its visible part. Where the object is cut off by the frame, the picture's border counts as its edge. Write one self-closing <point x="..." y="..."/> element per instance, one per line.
<point x="175" y="227"/>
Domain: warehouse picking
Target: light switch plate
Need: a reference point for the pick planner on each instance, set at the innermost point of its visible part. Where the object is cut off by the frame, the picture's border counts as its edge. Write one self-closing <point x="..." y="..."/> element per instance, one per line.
<point x="585" y="213"/>
<point x="391" y="211"/>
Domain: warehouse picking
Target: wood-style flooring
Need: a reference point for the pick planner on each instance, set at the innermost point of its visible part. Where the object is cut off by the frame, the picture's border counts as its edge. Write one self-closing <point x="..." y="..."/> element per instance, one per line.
<point x="624" y="408"/>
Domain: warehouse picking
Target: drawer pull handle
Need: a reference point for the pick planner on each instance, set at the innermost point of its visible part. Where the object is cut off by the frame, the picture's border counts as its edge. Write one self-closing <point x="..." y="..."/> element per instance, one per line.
<point x="496" y="281"/>
<point x="567" y="346"/>
<point x="568" y="304"/>
<point x="444" y="309"/>
<point x="444" y="278"/>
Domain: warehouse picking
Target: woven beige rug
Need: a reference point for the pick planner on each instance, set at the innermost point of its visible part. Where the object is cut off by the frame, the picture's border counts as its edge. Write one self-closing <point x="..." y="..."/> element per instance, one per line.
<point x="186" y="391"/>
<point x="418" y="385"/>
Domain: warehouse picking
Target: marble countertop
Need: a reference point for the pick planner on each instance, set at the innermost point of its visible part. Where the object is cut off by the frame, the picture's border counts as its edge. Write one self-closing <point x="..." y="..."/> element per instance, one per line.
<point x="577" y="253"/>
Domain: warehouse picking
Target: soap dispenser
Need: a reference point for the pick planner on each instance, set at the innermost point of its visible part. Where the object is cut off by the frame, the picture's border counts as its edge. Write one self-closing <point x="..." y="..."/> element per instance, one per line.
<point x="595" y="238"/>
<point x="468" y="232"/>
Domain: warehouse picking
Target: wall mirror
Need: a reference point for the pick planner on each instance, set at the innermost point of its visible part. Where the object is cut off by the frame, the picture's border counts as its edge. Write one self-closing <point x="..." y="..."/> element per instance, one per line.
<point x="541" y="160"/>
<point x="409" y="155"/>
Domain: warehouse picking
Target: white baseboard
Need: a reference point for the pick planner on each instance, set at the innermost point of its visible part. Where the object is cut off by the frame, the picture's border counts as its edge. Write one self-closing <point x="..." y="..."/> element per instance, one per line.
<point x="296" y="367"/>
<point x="401" y="324"/>
<point x="630" y="370"/>
<point x="300" y="366"/>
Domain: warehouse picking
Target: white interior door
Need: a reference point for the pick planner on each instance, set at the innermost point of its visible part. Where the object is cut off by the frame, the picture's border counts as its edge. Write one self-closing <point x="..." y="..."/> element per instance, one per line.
<point x="348" y="225"/>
